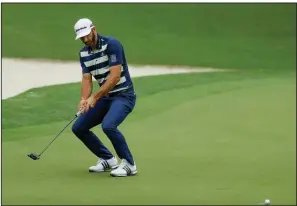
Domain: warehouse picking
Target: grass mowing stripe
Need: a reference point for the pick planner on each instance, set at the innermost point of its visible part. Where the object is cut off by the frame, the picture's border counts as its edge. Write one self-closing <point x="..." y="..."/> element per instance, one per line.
<point x="147" y="106"/>
<point x="59" y="103"/>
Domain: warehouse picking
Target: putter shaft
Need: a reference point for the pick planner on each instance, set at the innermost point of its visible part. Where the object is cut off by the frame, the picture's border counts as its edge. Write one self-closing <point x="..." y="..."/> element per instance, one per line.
<point x="75" y="116"/>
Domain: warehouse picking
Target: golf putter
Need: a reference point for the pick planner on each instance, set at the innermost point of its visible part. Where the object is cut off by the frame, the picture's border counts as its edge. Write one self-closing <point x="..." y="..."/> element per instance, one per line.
<point x="34" y="156"/>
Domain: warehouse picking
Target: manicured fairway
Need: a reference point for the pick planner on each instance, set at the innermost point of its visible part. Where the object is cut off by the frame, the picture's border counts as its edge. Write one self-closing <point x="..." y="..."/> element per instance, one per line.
<point x="240" y="36"/>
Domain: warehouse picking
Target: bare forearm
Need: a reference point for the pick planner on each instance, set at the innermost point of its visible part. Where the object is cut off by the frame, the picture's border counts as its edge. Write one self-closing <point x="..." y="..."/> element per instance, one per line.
<point x="107" y="86"/>
<point x="86" y="89"/>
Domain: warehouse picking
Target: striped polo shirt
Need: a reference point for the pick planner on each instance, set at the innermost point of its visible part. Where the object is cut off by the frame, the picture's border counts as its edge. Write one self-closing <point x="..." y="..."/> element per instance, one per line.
<point x="109" y="52"/>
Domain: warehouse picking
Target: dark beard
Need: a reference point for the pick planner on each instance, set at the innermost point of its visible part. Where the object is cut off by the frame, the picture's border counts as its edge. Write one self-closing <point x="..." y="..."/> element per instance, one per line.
<point x="93" y="38"/>
<point x="93" y="43"/>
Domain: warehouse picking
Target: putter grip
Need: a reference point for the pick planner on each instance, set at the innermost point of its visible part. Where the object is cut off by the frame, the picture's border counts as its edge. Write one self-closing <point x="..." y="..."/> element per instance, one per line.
<point x="78" y="113"/>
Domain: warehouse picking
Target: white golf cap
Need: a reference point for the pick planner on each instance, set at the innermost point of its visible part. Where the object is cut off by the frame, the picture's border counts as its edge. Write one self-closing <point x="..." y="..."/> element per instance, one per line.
<point x="83" y="27"/>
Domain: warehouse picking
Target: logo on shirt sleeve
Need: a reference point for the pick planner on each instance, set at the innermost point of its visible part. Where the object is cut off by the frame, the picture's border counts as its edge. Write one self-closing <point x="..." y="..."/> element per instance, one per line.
<point x="113" y="58"/>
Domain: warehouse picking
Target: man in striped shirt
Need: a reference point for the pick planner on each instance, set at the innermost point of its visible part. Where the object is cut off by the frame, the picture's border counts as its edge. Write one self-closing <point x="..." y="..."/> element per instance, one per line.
<point x="103" y="58"/>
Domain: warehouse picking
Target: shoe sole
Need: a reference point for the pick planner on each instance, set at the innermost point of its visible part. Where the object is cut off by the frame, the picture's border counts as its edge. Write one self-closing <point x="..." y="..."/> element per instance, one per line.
<point x="132" y="174"/>
<point x="107" y="170"/>
<point x="92" y="171"/>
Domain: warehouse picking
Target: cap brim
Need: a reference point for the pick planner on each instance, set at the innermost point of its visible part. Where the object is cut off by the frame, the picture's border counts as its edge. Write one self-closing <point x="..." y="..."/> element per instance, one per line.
<point x="84" y="33"/>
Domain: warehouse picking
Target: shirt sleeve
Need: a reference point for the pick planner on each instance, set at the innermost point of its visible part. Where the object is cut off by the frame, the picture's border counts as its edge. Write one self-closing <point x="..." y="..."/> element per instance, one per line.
<point x="83" y="66"/>
<point x="115" y="53"/>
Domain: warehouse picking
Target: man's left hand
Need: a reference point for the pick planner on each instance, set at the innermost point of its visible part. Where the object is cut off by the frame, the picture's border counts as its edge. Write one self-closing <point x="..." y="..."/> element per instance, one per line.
<point x="92" y="101"/>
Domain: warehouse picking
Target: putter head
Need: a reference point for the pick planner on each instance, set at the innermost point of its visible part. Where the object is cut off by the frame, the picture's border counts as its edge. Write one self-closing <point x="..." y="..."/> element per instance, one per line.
<point x="34" y="156"/>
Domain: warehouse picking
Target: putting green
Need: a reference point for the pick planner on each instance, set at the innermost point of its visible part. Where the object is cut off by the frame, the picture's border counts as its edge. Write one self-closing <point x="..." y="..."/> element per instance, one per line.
<point x="216" y="139"/>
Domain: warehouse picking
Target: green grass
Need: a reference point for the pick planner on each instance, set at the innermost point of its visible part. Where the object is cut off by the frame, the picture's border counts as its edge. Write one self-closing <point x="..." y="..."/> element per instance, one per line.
<point x="211" y="139"/>
<point x="219" y="138"/>
<point x="241" y="36"/>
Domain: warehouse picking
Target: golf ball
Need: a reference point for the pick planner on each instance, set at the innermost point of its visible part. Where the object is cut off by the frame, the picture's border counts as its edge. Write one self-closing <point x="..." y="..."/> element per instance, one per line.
<point x="267" y="202"/>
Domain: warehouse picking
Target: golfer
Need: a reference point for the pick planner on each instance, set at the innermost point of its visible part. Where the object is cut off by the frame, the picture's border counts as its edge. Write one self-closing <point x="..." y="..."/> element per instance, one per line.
<point x="104" y="59"/>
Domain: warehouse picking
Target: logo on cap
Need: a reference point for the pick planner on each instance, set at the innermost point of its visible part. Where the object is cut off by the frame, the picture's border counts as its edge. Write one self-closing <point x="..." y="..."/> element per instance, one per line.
<point x="80" y="28"/>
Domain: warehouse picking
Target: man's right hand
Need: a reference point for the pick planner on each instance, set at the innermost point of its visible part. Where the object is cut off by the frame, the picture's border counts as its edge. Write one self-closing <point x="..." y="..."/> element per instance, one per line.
<point x="83" y="106"/>
<point x="86" y="91"/>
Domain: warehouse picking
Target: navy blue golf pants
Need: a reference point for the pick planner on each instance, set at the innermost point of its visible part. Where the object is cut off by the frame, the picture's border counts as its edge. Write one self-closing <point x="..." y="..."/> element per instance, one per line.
<point x="110" y="112"/>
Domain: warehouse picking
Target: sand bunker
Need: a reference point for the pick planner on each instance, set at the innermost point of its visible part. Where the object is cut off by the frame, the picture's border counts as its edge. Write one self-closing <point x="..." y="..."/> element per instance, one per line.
<point x="20" y="75"/>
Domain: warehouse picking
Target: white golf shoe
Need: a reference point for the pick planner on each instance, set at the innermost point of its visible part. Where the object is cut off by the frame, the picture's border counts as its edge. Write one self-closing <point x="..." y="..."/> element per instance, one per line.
<point x="104" y="165"/>
<point x="124" y="169"/>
